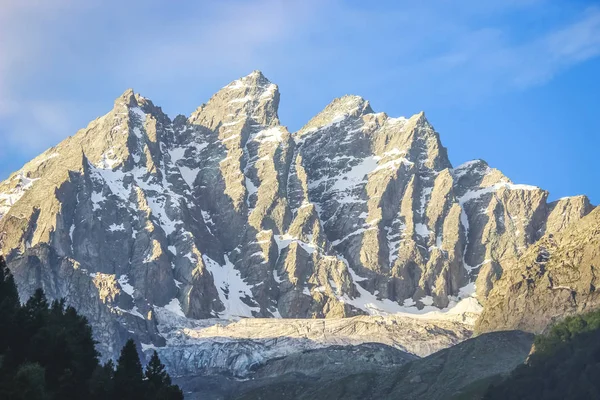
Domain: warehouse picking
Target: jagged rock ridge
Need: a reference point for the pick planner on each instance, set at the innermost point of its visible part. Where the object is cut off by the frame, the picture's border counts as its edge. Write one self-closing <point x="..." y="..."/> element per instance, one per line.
<point x="555" y="278"/>
<point x="226" y="214"/>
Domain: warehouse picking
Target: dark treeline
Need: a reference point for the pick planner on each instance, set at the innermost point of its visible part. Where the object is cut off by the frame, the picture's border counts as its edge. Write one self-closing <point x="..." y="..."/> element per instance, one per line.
<point x="565" y="364"/>
<point x="47" y="353"/>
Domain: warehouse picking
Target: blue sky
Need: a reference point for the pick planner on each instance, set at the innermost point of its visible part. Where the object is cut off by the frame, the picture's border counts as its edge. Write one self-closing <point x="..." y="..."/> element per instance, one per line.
<point x="515" y="82"/>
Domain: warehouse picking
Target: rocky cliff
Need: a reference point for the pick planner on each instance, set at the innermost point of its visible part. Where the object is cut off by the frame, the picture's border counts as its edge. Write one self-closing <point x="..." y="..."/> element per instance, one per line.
<point x="238" y="348"/>
<point x="556" y="277"/>
<point x="447" y="374"/>
<point x="226" y="214"/>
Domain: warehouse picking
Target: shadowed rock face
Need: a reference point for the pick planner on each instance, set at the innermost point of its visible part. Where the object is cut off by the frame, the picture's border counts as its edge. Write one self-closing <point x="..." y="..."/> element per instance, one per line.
<point x="443" y="375"/>
<point x="227" y="214"/>
<point x="301" y="367"/>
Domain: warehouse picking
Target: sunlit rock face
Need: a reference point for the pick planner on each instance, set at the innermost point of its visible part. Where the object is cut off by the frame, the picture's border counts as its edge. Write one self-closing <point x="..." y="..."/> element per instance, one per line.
<point x="227" y="214"/>
<point x="554" y="278"/>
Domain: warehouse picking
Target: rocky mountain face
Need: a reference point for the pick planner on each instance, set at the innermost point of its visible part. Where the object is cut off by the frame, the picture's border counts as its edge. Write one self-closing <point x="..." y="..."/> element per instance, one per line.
<point x="303" y="367"/>
<point x="447" y="374"/>
<point x="556" y="277"/>
<point x="238" y="348"/>
<point x="227" y="214"/>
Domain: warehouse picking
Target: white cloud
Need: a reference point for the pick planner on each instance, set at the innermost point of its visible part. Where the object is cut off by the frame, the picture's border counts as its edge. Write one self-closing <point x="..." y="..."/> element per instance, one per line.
<point x="456" y="49"/>
<point x="30" y="123"/>
<point x="574" y="43"/>
<point x="473" y="61"/>
<point x="46" y="41"/>
<point x="540" y="59"/>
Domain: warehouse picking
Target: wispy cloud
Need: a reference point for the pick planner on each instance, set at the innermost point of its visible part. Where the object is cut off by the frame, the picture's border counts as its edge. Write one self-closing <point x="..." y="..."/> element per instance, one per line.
<point x="574" y="43"/>
<point x="486" y="61"/>
<point x="30" y="123"/>
<point x="57" y="56"/>
<point x="45" y="46"/>
<point x="465" y="54"/>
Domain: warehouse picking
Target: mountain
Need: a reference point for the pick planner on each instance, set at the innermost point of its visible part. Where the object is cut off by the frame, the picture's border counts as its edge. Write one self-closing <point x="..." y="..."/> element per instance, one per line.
<point x="554" y="278"/>
<point x="144" y="222"/>
<point x="238" y="348"/>
<point x="447" y="374"/>
<point x="301" y="367"/>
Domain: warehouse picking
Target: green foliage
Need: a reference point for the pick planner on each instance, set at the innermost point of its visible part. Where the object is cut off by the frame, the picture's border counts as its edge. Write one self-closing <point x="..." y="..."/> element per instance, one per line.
<point x="29" y="383"/>
<point x="47" y="352"/>
<point x="565" y="365"/>
<point x="565" y="331"/>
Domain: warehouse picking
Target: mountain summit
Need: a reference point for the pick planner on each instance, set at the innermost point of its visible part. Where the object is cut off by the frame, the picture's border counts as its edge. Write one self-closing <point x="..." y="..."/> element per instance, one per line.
<point x="226" y="214"/>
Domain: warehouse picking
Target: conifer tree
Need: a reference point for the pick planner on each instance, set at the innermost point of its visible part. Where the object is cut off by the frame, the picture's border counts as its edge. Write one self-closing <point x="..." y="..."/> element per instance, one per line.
<point x="81" y="343"/>
<point x="47" y="352"/>
<point x="36" y="311"/>
<point x="8" y="288"/>
<point x="159" y="381"/>
<point x="102" y="382"/>
<point x="171" y="392"/>
<point x="129" y="384"/>
<point x="155" y="372"/>
<point x="9" y="304"/>
<point x="29" y="383"/>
